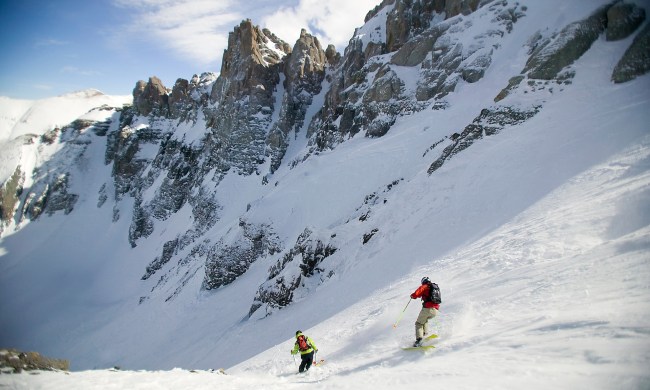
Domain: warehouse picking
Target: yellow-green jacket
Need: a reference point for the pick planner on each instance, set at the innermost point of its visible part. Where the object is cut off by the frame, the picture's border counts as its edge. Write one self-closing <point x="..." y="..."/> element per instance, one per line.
<point x="310" y="343"/>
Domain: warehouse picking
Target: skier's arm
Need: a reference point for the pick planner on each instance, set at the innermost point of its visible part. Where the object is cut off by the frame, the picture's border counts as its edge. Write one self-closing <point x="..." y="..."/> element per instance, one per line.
<point x="295" y="349"/>
<point x="418" y="293"/>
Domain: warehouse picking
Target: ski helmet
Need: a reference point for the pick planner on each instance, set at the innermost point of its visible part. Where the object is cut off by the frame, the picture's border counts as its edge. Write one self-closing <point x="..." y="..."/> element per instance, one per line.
<point x="425" y="280"/>
<point x="298" y="332"/>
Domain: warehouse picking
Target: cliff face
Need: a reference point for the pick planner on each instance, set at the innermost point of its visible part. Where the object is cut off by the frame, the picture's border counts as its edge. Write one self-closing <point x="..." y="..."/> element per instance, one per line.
<point x="304" y="72"/>
<point x="171" y="151"/>
<point x="406" y="54"/>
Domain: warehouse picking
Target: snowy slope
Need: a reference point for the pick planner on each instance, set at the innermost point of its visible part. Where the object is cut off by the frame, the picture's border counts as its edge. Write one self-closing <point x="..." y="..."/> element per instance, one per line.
<point x="539" y="238"/>
<point x="555" y="297"/>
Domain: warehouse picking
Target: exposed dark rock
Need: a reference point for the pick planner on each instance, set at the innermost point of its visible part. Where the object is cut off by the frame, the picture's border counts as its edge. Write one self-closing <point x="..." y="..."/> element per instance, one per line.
<point x="10" y="193"/>
<point x="141" y="223"/>
<point x="407" y="19"/>
<point x="243" y="94"/>
<point x="465" y="7"/>
<point x="363" y="212"/>
<point x="49" y="137"/>
<point x="489" y="122"/>
<point x="180" y="165"/>
<point x="373" y="12"/>
<point x="169" y="249"/>
<point x="513" y="83"/>
<point x="415" y="51"/>
<point x="288" y="274"/>
<point x="48" y="197"/>
<point x="571" y="43"/>
<point x="333" y="57"/>
<point x="179" y="98"/>
<point x="476" y="67"/>
<point x="124" y="146"/>
<point x="187" y="98"/>
<point x="367" y="95"/>
<point x="58" y="198"/>
<point x="304" y="73"/>
<point x="551" y="57"/>
<point x="151" y="97"/>
<point x="636" y="60"/>
<point x="368" y="236"/>
<point x="622" y="20"/>
<point x="226" y="262"/>
<point x="101" y="128"/>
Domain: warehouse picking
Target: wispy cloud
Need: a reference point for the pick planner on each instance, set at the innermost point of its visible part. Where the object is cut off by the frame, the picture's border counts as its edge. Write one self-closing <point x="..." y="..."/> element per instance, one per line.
<point x="197" y="30"/>
<point x="194" y="29"/>
<point x="80" y="72"/>
<point x="331" y="21"/>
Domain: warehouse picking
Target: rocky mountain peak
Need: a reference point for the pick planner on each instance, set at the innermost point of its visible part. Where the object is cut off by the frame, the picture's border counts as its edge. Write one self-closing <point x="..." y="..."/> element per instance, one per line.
<point x="250" y="62"/>
<point x="308" y="57"/>
<point x="304" y="72"/>
<point x="251" y="43"/>
<point x="150" y="96"/>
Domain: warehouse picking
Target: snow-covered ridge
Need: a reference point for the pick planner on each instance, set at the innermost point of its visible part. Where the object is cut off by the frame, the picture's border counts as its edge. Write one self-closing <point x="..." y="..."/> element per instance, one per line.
<point x="22" y="121"/>
<point x="20" y="117"/>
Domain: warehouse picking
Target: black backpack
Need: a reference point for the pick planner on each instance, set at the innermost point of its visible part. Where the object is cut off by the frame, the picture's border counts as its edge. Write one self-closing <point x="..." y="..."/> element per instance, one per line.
<point x="434" y="293"/>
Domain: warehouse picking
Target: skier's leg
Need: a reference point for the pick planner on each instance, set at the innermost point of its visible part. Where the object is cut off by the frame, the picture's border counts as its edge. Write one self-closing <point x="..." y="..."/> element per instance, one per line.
<point x="303" y="363"/>
<point x="310" y="360"/>
<point x="431" y="313"/>
<point x="420" y="322"/>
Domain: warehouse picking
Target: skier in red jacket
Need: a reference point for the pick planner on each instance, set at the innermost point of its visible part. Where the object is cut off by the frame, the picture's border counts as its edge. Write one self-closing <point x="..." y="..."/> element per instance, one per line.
<point x="429" y="309"/>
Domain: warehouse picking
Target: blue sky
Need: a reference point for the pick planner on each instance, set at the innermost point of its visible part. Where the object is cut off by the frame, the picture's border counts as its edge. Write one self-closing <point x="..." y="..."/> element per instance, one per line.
<point x="54" y="47"/>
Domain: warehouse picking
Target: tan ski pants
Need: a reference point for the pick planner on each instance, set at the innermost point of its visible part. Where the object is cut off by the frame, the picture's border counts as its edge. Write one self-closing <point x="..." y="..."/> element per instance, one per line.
<point x="422" y="323"/>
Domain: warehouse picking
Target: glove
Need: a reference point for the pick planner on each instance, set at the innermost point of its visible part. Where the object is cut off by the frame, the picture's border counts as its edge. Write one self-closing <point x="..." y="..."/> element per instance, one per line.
<point x="315" y="350"/>
<point x="413" y="296"/>
<point x="293" y="352"/>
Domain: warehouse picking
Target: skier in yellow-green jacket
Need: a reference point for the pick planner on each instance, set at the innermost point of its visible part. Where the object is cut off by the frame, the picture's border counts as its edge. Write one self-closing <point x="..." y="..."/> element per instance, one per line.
<point x="305" y="345"/>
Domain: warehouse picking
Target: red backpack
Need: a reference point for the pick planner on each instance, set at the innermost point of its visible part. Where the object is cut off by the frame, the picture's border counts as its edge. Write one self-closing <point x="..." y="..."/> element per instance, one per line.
<point x="303" y="345"/>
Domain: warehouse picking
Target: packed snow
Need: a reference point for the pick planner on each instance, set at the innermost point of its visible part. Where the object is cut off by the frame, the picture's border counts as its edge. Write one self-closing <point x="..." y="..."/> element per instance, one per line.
<point x="539" y="238"/>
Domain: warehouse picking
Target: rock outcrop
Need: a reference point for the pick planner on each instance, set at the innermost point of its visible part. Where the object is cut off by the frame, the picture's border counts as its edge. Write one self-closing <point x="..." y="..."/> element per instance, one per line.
<point x="304" y="71"/>
<point x="556" y="53"/>
<point x="14" y="361"/>
<point x="243" y="98"/>
<point x="551" y="56"/>
<point x="622" y="20"/>
<point x="405" y="40"/>
<point x="10" y="194"/>
<point x="291" y="272"/>
<point x="225" y="262"/>
<point x="636" y="60"/>
<point x="151" y="97"/>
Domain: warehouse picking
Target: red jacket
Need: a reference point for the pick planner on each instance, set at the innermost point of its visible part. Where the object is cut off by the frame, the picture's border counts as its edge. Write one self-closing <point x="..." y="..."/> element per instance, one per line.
<point x="423" y="292"/>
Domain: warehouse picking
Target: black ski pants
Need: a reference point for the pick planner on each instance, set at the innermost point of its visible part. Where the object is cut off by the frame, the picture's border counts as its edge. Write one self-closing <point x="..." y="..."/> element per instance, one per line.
<point x="307" y="360"/>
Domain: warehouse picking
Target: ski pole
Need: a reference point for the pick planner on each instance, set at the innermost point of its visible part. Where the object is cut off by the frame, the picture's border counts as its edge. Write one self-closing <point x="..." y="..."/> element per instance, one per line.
<point x="402" y="313"/>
